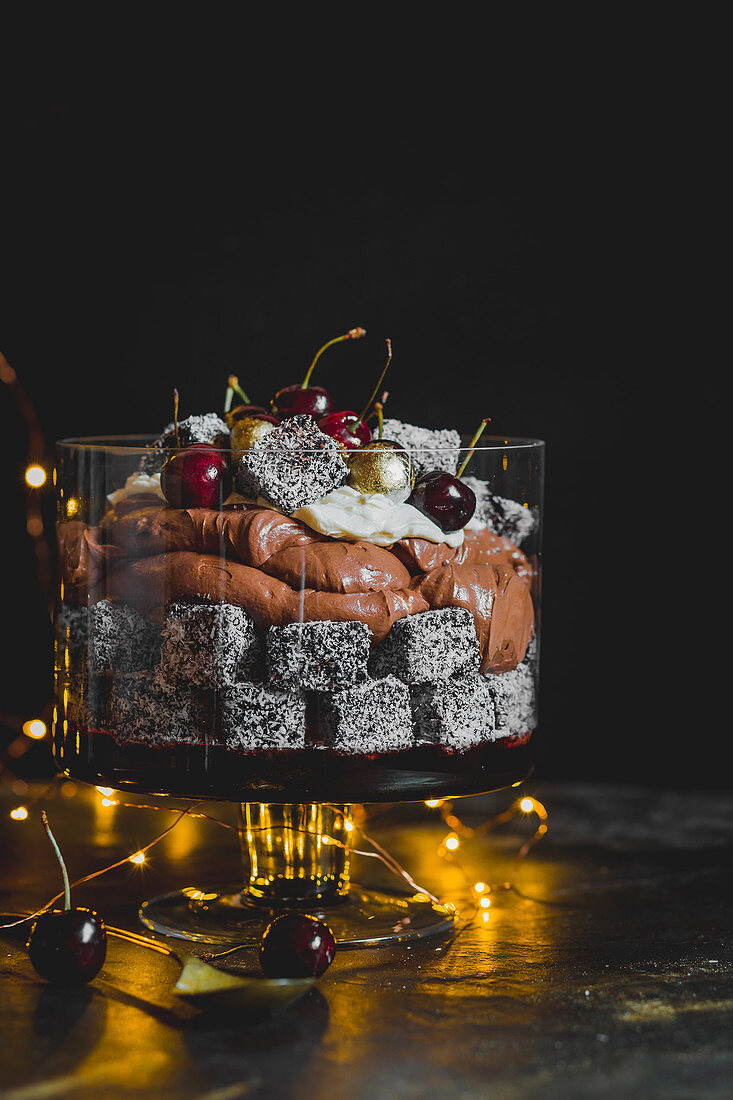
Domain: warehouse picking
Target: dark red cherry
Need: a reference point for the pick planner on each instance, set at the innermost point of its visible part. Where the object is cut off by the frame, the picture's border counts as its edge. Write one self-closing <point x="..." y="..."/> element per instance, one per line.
<point x="68" y="946"/>
<point x="444" y="499"/>
<point x="236" y="414"/>
<point x="196" y="477"/>
<point x="313" y="400"/>
<point x="347" y="428"/>
<point x="296" y="945"/>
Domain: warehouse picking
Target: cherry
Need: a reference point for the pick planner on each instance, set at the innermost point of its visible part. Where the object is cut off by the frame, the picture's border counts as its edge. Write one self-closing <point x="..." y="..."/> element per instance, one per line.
<point x="68" y="946"/>
<point x="196" y="477"/>
<point x="296" y="945"/>
<point x="241" y="411"/>
<point x="347" y="428"/>
<point x="444" y="499"/>
<point x="231" y="416"/>
<point x="313" y="400"/>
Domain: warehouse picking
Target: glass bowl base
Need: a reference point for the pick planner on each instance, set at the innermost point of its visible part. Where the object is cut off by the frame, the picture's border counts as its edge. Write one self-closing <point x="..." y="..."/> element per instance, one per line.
<point x="364" y="918"/>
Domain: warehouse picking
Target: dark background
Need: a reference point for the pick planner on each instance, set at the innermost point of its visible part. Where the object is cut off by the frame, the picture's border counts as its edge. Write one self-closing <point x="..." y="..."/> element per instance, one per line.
<point x="497" y="217"/>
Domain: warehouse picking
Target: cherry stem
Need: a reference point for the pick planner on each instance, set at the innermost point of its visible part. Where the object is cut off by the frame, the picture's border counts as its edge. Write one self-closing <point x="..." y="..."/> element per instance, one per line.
<point x="352" y="334"/>
<point x="380" y="419"/>
<point x="472" y="445"/>
<point x="233" y="387"/>
<point x="175" y="417"/>
<point x="375" y="391"/>
<point x="52" y="838"/>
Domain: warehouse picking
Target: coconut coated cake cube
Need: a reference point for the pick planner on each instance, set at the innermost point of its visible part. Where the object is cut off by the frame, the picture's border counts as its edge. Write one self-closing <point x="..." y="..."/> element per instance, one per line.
<point x="296" y="464"/>
<point x="370" y="717"/>
<point x="317" y="656"/>
<point x="256" y="716"/>
<point x="432" y="645"/>
<point x="457" y="713"/>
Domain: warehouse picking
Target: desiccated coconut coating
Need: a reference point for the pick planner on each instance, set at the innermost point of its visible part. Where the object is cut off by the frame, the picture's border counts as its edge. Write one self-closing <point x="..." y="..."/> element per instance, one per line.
<point x="208" y="428"/>
<point x="121" y="639"/>
<point x="296" y="464"/>
<point x="428" y="449"/>
<point x="318" y="656"/>
<point x="72" y="626"/>
<point x="145" y="709"/>
<point x="432" y="645"/>
<point x="457" y="713"/>
<point x="507" y="518"/>
<point x="368" y="718"/>
<point x="255" y="716"/>
<point x="209" y="644"/>
<point x="515" y="700"/>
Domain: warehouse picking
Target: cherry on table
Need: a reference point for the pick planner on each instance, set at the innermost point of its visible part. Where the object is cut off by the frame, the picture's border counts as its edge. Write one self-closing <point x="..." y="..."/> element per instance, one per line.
<point x="196" y="477"/>
<point x="347" y="428"/>
<point x="297" y="945"/>
<point x="68" y="946"/>
<point x="444" y="499"/>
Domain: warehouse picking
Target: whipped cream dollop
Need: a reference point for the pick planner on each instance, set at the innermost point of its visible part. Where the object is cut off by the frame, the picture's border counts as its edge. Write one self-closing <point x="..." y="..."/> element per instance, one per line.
<point x="347" y="514"/>
<point x="138" y="484"/>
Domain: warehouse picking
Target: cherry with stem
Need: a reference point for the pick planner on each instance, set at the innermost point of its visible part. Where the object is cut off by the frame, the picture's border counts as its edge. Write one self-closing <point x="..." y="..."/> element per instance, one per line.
<point x="302" y="398"/>
<point x="67" y="946"/>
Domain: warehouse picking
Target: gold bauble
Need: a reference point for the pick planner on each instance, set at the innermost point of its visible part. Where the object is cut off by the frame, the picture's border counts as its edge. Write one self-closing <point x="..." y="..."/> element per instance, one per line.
<point x="382" y="467"/>
<point x="246" y="432"/>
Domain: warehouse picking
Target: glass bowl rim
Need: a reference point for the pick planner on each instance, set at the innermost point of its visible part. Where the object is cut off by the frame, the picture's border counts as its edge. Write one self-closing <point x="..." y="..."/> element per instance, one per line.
<point x="139" y="444"/>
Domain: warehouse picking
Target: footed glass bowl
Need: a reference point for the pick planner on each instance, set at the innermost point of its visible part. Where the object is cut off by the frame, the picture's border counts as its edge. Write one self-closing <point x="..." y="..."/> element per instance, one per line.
<point x="295" y="664"/>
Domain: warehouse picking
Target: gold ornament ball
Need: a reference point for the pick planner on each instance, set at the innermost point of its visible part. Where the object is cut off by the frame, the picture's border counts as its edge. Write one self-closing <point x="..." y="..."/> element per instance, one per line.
<point x="382" y="467"/>
<point x="246" y="432"/>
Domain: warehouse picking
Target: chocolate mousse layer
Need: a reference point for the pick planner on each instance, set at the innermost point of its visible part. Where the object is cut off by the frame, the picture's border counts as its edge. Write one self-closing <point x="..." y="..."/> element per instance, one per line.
<point x="148" y="583"/>
<point x="281" y="572"/>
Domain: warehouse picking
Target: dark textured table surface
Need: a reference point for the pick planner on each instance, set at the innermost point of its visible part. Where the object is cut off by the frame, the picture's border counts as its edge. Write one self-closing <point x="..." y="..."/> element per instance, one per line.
<point x="606" y="972"/>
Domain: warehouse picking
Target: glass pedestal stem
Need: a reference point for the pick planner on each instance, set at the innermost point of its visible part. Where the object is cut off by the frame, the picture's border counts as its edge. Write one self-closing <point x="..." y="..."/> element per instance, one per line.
<point x="295" y="855"/>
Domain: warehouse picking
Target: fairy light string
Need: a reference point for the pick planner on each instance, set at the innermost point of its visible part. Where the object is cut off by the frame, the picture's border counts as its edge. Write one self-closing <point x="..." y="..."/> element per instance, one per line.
<point x="478" y="892"/>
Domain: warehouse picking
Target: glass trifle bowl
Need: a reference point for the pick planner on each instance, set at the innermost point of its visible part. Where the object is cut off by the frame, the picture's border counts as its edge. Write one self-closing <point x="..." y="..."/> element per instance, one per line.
<point x="296" y="634"/>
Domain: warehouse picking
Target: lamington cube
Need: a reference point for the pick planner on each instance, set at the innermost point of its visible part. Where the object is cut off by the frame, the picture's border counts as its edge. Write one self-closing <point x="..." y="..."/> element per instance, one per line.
<point x="515" y="700"/>
<point x="256" y="716"/>
<point x="208" y="428"/>
<point x="457" y="713"/>
<point x="432" y="645"/>
<point x="371" y="717"/>
<point x="506" y="518"/>
<point x="296" y="464"/>
<point x="210" y="645"/>
<point x="143" y="708"/>
<point x="121" y="639"/>
<point x="318" y="656"/>
<point x="72" y="626"/>
<point x="428" y="449"/>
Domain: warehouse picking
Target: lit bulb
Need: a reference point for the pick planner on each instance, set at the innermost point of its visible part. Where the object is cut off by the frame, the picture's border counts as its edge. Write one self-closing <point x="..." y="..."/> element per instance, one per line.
<point x="485" y="903"/>
<point x="139" y="857"/>
<point x="527" y="804"/>
<point x="348" y="825"/>
<point x="432" y="802"/>
<point x="451" y="842"/>
<point x="72" y="506"/>
<point x="35" y="476"/>
<point x="19" y="813"/>
<point x="106" y="791"/>
<point x="479" y="887"/>
<point x="34" y="728"/>
<point x="108" y="802"/>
